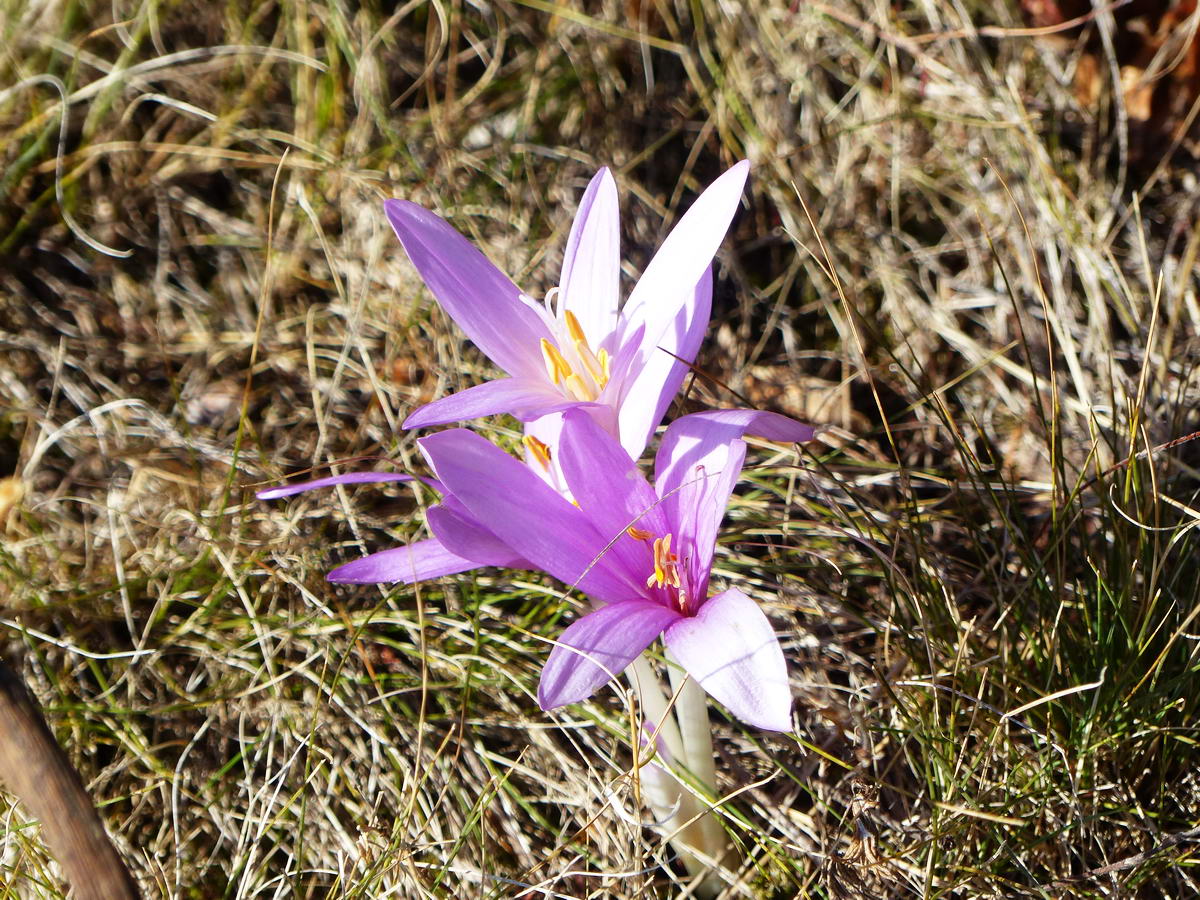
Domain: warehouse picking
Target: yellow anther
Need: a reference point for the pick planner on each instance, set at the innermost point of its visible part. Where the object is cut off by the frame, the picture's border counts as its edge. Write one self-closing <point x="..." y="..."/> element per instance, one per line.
<point x="666" y="564"/>
<point x="574" y="328"/>
<point x="590" y="363"/>
<point x="537" y="449"/>
<point x="556" y="367"/>
<point x="638" y="534"/>
<point x="597" y="364"/>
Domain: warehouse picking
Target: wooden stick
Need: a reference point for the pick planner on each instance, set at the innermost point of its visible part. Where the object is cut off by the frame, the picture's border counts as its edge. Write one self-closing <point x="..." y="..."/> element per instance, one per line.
<point x="37" y="772"/>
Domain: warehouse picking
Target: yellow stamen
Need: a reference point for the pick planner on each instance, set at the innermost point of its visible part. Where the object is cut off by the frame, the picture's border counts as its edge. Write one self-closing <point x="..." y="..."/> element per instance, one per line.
<point x="666" y="564"/>
<point x="556" y="367"/>
<point x="579" y="388"/>
<point x="638" y="534"/>
<point x="537" y="449"/>
<point x="574" y="328"/>
<point x="597" y="364"/>
<point x="590" y="362"/>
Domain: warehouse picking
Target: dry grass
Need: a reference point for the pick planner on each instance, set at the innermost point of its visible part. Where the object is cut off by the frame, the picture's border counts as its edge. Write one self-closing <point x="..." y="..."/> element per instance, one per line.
<point x="985" y="576"/>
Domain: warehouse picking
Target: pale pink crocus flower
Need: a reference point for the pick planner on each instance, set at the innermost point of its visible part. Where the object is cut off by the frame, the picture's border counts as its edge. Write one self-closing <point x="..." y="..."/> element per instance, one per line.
<point x="579" y="348"/>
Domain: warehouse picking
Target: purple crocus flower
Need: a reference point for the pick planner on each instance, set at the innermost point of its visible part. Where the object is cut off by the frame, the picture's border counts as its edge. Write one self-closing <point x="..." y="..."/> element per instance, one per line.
<point x="624" y="364"/>
<point x="642" y="552"/>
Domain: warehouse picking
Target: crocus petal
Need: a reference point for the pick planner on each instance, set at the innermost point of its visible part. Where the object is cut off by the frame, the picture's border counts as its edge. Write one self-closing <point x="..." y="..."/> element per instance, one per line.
<point x="598" y="647"/>
<point x="508" y="499"/>
<point x="591" y="273"/>
<point x="671" y="276"/>
<point x="731" y="649"/>
<point x="626" y="363"/>
<point x="703" y="439"/>
<point x="477" y="295"/>
<point x="524" y="398"/>
<point x="698" y="464"/>
<point x="418" y="561"/>
<point x="299" y="487"/>
<point x="464" y="537"/>
<point x="606" y="483"/>
<point x="646" y="396"/>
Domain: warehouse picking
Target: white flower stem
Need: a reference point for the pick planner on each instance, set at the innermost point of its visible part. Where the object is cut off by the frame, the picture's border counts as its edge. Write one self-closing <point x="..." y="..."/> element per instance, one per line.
<point x="691" y="711"/>
<point x="686" y="736"/>
<point x="670" y="805"/>
<point x="655" y="706"/>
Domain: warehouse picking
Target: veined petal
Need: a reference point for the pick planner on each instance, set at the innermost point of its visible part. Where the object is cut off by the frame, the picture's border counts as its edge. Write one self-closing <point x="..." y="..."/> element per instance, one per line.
<point x="462" y="536"/>
<point x="626" y="361"/>
<point x="524" y="398"/>
<point x="607" y="484"/>
<point x="299" y="487"/>
<point x="646" y="394"/>
<point x="703" y="439"/>
<point x="731" y="649"/>
<point x="698" y="464"/>
<point x="477" y="295"/>
<point x="418" y="561"/>
<point x="598" y="647"/>
<point x="688" y="250"/>
<point x="507" y="498"/>
<point x="591" y="272"/>
<point x="548" y="429"/>
<point x="697" y="507"/>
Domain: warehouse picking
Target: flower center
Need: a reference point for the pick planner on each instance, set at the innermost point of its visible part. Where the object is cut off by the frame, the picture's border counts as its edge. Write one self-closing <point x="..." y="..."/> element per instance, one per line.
<point x="666" y="572"/>
<point x="573" y="366"/>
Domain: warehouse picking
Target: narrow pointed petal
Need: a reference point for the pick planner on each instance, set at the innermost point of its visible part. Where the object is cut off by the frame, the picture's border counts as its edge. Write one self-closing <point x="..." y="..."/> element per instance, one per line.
<point x="462" y="536"/>
<point x="606" y="483"/>
<point x="477" y="295"/>
<point x="508" y="499"/>
<point x="598" y="647"/>
<point x="299" y="487"/>
<point x="524" y="398"/>
<point x="626" y="362"/>
<point x="647" y="395"/>
<point x="698" y="464"/>
<point x="418" y="561"/>
<point x="699" y="505"/>
<point x="688" y="250"/>
<point x="731" y="649"/>
<point x="591" y="272"/>
<point x="704" y="438"/>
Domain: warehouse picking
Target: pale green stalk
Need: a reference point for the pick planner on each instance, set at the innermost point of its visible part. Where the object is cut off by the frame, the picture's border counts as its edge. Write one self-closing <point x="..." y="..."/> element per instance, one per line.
<point x="691" y="712"/>
<point x="691" y="828"/>
<point x="670" y="805"/>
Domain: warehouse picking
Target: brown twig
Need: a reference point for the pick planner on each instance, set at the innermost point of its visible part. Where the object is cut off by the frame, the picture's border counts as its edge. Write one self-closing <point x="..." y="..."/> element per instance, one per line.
<point x="37" y="772"/>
